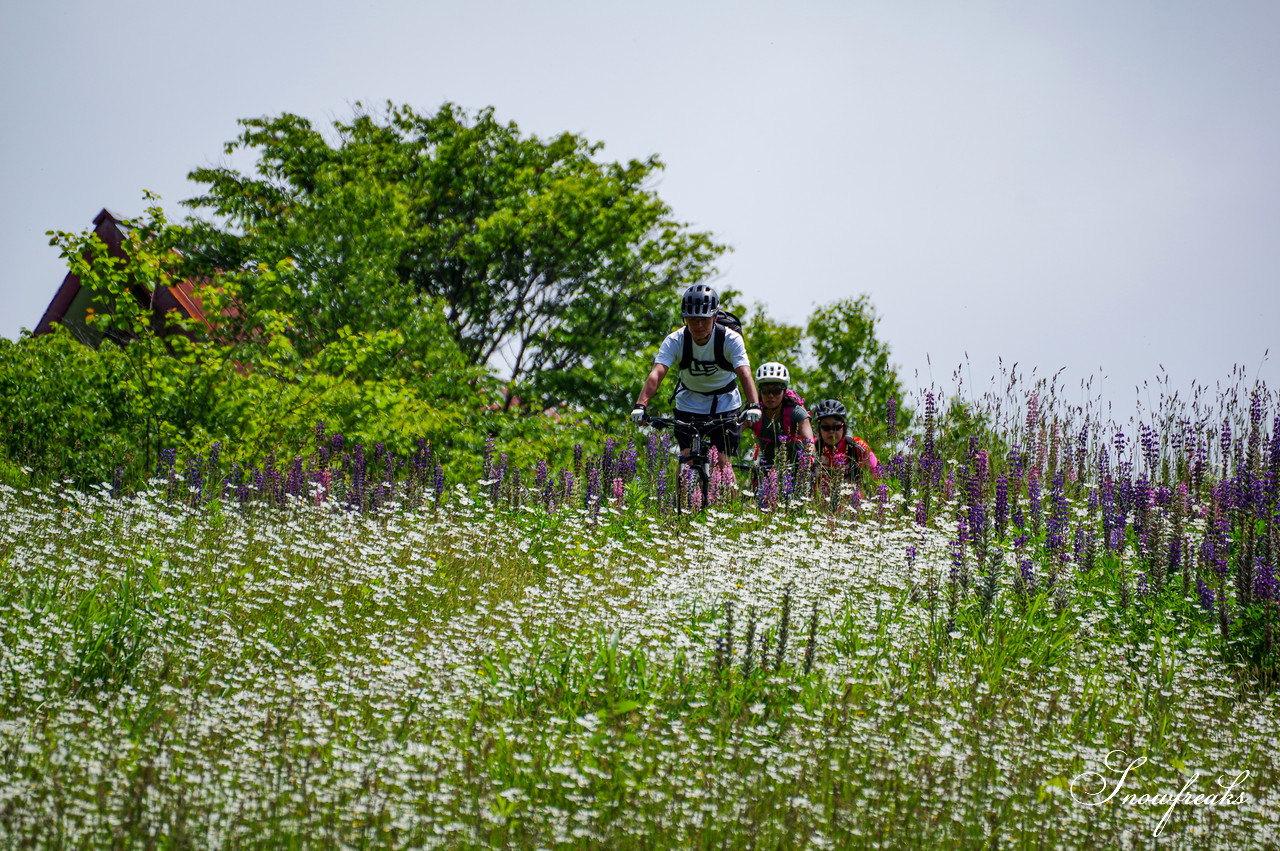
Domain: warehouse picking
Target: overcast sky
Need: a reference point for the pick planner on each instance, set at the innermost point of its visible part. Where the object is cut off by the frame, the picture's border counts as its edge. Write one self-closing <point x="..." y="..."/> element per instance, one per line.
<point x="1085" y="186"/>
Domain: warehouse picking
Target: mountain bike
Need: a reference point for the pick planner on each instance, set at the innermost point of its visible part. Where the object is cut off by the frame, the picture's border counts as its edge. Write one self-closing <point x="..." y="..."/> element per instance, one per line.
<point x="758" y="469"/>
<point x="777" y="483"/>
<point x="699" y="457"/>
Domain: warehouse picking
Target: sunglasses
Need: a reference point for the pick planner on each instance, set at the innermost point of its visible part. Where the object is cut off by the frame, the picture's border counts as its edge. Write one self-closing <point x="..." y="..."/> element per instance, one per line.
<point x="832" y="427"/>
<point x="769" y="391"/>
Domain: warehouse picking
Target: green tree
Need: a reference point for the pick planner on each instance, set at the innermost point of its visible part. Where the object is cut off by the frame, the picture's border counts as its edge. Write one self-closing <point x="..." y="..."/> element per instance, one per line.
<point x="241" y="380"/>
<point x="548" y="264"/>
<point x="769" y="339"/>
<point x="64" y="411"/>
<point x="847" y="361"/>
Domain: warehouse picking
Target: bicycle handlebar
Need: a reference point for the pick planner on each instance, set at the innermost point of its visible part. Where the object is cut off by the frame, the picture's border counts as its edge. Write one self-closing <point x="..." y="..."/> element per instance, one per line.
<point x="700" y="426"/>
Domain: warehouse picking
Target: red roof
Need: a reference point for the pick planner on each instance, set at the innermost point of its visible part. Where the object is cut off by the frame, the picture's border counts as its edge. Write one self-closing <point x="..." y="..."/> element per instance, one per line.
<point x="179" y="296"/>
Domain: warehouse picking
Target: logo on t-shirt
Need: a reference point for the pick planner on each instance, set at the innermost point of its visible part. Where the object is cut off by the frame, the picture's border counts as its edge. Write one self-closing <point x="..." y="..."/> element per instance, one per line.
<point x="703" y="367"/>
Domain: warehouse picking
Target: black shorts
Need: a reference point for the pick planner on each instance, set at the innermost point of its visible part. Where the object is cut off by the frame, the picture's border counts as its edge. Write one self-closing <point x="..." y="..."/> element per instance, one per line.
<point x="724" y="437"/>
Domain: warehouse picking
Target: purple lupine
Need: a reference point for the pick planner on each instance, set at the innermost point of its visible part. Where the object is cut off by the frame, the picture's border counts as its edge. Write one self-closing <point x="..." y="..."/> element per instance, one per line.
<point x="1214" y="546"/>
<point x="1104" y="463"/>
<point x="1265" y="588"/>
<point x="293" y="486"/>
<point x="661" y="486"/>
<point x="1034" y="505"/>
<point x="1149" y="438"/>
<point x="1207" y="598"/>
<point x="1173" y="562"/>
<point x="619" y="489"/>
<point x="1115" y="540"/>
<point x="548" y="495"/>
<point x="1027" y="573"/>
<point x="497" y="475"/>
<point x="882" y="501"/>
<point x="486" y="457"/>
<point x="1201" y="465"/>
<point x="778" y="485"/>
<point x="977" y="507"/>
<point x="900" y="470"/>
<point x="357" y="496"/>
<point x="1013" y="460"/>
<point x="1273" y="462"/>
<point x="438" y="484"/>
<point x="543" y="472"/>
<point x="194" y="478"/>
<point x="767" y="490"/>
<point x="653" y="453"/>
<point x="1248" y="492"/>
<point x="930" y="424"/>
<point x="567" y="482"/>
<point x="627" y="462"/>
<point x="912" y="553"/>
<point x="930" y="462"/>
<point x="1016" y="518"/>
<point x="1059" y="515"/>
<point x="922" y="515"/>
<point x="1142" y="499"/>
<point x="117" y="483"/>
<point x="607" y="459"/>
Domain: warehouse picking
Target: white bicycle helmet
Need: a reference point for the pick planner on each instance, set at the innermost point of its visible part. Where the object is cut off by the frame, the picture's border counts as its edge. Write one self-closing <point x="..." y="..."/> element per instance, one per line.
<point x="773" y="373"/>
<point x="699" y="300"/>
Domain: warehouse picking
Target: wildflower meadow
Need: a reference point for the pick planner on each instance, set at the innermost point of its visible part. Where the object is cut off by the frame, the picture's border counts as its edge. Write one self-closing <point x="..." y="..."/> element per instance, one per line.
<point x="1036" y="629"/>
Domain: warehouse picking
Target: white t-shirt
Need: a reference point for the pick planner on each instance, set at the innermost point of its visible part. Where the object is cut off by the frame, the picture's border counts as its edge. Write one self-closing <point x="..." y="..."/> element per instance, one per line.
<point x="704" y="373"/>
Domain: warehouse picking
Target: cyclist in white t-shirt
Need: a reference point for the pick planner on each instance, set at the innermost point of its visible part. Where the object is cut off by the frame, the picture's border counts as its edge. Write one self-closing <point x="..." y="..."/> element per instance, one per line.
<point x="711" y="360"/>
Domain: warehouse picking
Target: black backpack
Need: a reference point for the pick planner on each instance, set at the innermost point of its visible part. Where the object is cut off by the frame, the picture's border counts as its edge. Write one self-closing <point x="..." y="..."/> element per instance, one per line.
<point x="724" y="319"/>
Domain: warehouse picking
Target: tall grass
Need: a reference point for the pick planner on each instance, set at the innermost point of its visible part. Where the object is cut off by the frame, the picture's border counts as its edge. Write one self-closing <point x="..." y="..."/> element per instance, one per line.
<point x="551" y="658"/>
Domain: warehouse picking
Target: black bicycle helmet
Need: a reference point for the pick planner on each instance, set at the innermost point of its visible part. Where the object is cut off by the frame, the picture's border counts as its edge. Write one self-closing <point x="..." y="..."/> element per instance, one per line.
<point x="830" y="408"/>
<point x="699" y="300"/>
